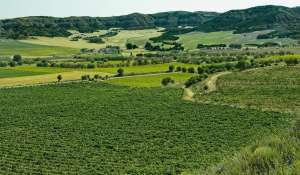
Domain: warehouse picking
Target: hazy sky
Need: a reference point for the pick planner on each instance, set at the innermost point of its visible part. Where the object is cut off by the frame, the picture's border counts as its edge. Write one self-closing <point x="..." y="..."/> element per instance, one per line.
<point x="62" y="8"/>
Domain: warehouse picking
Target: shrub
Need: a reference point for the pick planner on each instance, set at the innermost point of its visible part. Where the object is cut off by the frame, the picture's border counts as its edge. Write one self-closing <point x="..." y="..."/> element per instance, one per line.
<point x="3" y="64"/>
<point x="195" y="79"/>
<point x="17" y="58"/>
<point x="200" y="70"/>
<point x="91" y="66"/>
<point x="178" y="69"/>
<point x="43" y="63"/>
<point x="167" y="81"/>
<point x="12" y="64"/>
<point x="291" y="61"/>
<point x="171" y="68"/>
<point x="243" y="64"/>
<point x="120" y="72"/>
<point x="191" y="70"/>
<point x="59" y="78"/>
<point x="85" y="77"/>
<point x="130" y="46"/>
<point x="96" y="76"/>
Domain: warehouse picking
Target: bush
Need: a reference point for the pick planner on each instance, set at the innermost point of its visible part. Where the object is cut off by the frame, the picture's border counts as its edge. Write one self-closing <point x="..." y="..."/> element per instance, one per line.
<point x="17" y="58"/>
<point x="59" y="78"/>
<point x="178" y="69"/>
<point x="291" y="61"/>
<point x="171" y="68"/>
<point x="91" y="66"/>
<point x="43" y="63"/>
<point x="96" y="76"/>
<point x="243" y="64"/>
<point x="195" y="79"/>
<point x="85" y="77"/>
<point x="167" y="81"/>
<point x="191" y="70"/>
<point x="3" y="64"/>
<point x="130" y="46"/>
<point x="200" y="70"/>
<point x="120" y="72"/>
<point x="12" y="64"/>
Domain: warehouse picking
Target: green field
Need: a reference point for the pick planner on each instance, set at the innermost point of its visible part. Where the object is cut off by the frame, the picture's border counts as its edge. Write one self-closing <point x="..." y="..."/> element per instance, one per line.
<point x="90" y="128"/>
<point x="150" y="80"/>
<point x="7" y="73"/>
<point x="154" y="68"/>
<point x="275" y="88"/>
<point x="191" y="40"/>
<point x="12" y="47"/>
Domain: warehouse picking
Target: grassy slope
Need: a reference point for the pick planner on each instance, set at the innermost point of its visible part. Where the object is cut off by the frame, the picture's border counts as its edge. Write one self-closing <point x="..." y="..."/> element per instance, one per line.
<point x="191" y="40"/>
<point x="151" y="80"/>
<point x="12" y="47"/>
<point x="276" y="88"/>
<point x="91" y="128"/>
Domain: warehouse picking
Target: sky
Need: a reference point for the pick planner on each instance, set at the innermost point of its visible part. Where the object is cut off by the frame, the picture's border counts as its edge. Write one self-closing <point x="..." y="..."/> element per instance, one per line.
<point x="64" y="8"/>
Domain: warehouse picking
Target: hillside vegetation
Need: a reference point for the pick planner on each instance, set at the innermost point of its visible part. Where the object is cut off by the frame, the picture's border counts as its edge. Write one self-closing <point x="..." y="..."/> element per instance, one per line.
<point x="284" y="20"/>
<point x="50" y="26"/>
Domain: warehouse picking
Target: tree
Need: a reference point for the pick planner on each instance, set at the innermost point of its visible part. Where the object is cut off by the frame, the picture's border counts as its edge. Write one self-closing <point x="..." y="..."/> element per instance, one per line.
<point x="200" y="70"/>
<point x="12" y="64"/>
<point x="178" y="69"/>
<point x="235" y="46"/>
<point x="130" y="46"/>
<point x="291" y="61"/>
<point x="171" y="68"/>
<point x="17" y="58"/>
<point x="59" y="77"/>
<point x="191" y="70"/>
<point x="166" y="81"/>
<point x="243" y="64"/>
<point x="184" y="70"/>
<point x="120" y="72"/>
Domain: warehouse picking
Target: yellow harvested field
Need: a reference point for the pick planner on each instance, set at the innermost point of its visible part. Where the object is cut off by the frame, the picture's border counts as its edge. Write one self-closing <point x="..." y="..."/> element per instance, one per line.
<point x="44" y="79"/>
<point x="63" y="41"/>
<point x="139" y="37"/>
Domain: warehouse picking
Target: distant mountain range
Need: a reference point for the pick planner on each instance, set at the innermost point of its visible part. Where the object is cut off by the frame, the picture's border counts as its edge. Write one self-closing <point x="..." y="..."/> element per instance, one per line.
<point x="283" y="20"/>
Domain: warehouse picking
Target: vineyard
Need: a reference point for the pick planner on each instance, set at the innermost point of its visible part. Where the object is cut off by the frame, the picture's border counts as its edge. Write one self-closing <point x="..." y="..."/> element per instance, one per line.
<point x="274" y="88"/>
<point x="92" y="128"/>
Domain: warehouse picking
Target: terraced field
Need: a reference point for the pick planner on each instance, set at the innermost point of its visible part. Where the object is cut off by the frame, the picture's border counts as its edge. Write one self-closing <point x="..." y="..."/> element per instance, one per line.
<point x="92" y="128"/>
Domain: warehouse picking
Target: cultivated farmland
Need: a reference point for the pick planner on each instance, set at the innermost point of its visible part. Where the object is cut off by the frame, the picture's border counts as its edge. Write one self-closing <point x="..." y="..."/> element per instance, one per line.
<point x="90" y="128"/>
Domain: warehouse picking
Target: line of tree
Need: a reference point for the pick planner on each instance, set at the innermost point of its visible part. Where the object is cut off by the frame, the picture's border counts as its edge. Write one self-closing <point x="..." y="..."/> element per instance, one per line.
<point x="176" y="46"/>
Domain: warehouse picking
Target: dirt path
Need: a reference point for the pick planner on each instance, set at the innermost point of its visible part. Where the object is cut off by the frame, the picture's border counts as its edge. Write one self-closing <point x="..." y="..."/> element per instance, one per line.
<point x="211" y="84"/>
<point x="188" y="95"/>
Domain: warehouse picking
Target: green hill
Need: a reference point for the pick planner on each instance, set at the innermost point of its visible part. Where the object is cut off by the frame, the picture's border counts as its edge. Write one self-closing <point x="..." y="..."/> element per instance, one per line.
<point x="283" y="19"/>
<point x="50" y="26"/>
